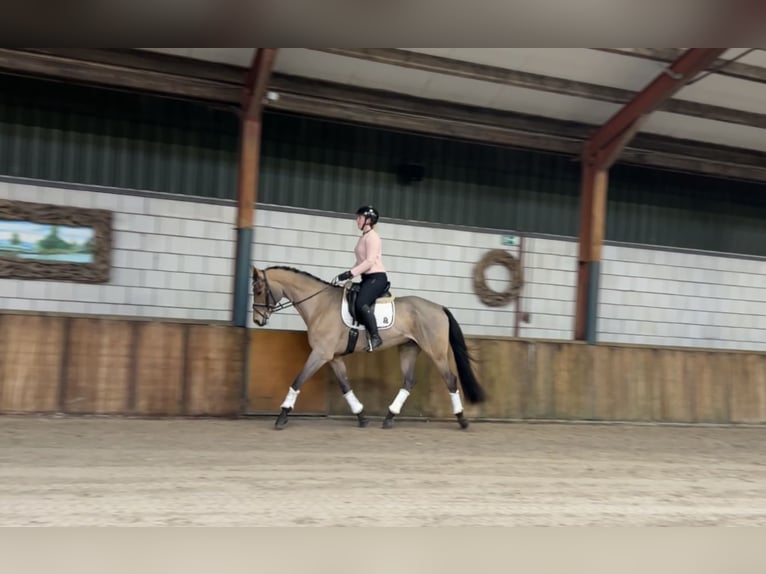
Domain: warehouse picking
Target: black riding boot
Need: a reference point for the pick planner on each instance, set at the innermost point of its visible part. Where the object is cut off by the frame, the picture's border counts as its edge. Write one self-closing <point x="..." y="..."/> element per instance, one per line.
<point x="367" y="316"/>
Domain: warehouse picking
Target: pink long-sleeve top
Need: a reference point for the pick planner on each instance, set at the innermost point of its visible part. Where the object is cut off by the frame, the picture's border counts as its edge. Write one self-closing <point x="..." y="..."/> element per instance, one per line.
<point x="369" y="254"/>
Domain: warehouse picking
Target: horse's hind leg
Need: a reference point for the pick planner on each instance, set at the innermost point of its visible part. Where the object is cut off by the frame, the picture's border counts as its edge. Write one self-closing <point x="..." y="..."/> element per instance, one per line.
<point x="454" y="394"/>
<point x="313" y="364"/>
<point x="408" y="354"/>
<point x="441" y="360"/>
<point x="339" y="368"/>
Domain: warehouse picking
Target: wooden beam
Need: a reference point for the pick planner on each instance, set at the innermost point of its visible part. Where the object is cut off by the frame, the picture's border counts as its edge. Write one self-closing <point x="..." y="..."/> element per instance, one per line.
<point x="257" y="82"/>
<point x="668" y="82"/>
<point x="183" y="78"/>
<point x="698" y="150"/>
<point x="435" y="126"/>
<point x="610" y="155"/>
<point x="253" y="93"/>
<point x="417" y="106"/>
<point x="693" y="166"/>
<point x="318" y="97"/>
<point x="249" y="172"/>
<point x="592" y="221"/>
<point x="592" y="217"/>
<point x="600" y="151"/>
<point x="69" y="70"/>
<point x="671" y="155"/>
<point x="170" y="64"/>
<point x="508" y="77"/>
<point x="722" y="66"/>
<point x="249" y="160"/>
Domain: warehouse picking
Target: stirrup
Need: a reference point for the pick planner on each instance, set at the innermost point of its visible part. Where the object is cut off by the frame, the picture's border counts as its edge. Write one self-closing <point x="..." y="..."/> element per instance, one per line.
<point x="378" y="343"/>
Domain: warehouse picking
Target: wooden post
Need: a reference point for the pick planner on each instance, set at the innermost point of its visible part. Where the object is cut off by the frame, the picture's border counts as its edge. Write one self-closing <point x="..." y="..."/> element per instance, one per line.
<point x="600" y="151"/>
<point x="592" y="222"/>
<point x="249" y="158"/>
<point x="249" y="170"/>
<point x="519" y="313"/>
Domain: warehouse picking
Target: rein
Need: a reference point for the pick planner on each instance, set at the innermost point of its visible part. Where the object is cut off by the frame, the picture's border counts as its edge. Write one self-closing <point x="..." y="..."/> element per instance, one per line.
<point x="271" y="304"/>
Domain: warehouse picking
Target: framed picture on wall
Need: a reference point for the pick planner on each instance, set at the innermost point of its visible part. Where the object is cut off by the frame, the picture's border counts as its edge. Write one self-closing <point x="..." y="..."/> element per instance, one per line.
<point x="54" y="242"/>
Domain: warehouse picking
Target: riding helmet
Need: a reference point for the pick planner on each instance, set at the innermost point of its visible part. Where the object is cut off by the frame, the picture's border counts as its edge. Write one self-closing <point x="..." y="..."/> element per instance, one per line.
<point x="369" y="212"/>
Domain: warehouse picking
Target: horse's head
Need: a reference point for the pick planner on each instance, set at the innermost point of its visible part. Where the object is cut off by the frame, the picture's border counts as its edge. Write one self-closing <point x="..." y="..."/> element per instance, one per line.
<point x="265" y="297"/>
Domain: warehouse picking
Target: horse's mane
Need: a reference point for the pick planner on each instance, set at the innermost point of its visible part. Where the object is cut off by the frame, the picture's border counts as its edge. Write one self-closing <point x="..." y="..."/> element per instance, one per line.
<point x="301" y="272"/>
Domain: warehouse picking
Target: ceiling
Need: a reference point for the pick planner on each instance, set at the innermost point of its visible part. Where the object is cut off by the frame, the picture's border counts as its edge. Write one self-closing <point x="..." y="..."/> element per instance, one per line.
<point x="453" y="76"/>
<point x="548" y="99"/>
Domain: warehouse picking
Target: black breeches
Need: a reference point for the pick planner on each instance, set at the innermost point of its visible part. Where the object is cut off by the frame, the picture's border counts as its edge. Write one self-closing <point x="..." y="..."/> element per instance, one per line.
<point x="371" y="287"/>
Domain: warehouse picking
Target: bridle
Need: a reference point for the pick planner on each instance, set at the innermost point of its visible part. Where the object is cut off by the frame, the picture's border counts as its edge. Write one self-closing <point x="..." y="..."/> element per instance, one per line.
<point x="272" y="305"/>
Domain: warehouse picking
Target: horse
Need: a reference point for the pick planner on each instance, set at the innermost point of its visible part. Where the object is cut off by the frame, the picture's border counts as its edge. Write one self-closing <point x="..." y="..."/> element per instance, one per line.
<point x="411" y="323"/>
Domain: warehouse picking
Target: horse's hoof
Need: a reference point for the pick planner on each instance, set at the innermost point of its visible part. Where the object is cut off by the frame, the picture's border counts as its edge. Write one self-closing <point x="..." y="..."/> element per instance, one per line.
<point x="462" y="421"/>
<point x="281" y="421"/>
<point x="388" y="423"/>
<point x="362" y="420"/>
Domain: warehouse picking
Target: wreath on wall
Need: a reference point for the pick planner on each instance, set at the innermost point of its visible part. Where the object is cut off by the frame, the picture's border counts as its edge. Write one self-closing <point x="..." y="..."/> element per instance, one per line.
<point x="488" y="296"/>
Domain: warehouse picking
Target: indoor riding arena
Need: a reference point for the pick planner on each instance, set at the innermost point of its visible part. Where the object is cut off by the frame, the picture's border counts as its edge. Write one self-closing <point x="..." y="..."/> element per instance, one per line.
<point x="593" y="219"/>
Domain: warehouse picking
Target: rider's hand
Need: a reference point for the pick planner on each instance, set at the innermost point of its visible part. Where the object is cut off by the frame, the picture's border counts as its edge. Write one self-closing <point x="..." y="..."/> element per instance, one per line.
<point x="346" y="275"/>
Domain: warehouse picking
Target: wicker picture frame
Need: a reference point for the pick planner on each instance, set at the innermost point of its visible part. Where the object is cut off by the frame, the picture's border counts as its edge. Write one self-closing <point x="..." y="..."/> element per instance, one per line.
<point x="95" y="270"/>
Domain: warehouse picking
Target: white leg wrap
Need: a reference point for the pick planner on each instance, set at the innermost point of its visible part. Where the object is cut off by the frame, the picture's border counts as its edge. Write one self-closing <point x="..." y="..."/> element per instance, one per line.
<point x="289" y="401"/>
<point x="353" y="402"/>
<point x="396" y="406"/>
<point x="457" y="404"/>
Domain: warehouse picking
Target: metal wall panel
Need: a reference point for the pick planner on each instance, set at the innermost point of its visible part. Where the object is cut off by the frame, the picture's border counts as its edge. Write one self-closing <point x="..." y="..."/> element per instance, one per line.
<point x="316" y="165"/>
<point x="338" y="167"/>
<point x="688" y="211"/>
<point x="79" y="134"/>
<point x="65" y="132"/>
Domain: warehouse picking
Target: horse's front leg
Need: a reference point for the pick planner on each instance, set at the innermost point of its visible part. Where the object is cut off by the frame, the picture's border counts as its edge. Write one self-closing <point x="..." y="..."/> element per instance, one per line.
<point x="408" y="354"/>
<point x="339" y="368"/>
<point x="315" y="361"/>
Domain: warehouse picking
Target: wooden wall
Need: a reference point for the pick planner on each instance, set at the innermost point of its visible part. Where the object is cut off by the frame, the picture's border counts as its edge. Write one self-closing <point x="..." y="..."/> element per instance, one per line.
<point x="550" y="380"/>
<point x="276" y="358"/>
<point x="81" y="365"/>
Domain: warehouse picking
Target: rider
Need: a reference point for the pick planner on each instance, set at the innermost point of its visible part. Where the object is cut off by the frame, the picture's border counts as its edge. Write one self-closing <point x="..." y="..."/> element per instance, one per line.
<point x="369" y="265"/>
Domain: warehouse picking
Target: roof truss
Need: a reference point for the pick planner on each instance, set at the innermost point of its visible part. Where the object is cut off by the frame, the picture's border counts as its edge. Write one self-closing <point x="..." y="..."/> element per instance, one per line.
<point x="222" y="84"/>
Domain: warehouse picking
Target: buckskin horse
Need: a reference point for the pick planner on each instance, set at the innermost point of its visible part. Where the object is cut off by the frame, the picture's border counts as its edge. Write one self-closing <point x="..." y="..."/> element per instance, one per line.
<point x="411" y="323"/>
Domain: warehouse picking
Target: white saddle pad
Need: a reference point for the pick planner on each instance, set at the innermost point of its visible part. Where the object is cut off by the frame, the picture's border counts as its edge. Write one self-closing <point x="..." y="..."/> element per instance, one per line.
<point x="385" y="313"/>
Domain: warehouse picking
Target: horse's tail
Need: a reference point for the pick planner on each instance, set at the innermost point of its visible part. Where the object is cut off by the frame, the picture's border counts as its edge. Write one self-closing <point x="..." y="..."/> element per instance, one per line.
<point x="471" y="387"/>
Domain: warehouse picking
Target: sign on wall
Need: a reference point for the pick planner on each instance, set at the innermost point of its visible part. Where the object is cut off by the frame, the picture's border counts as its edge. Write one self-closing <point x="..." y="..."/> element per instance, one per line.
<point x="54" y="242"/>
<point x="509" y="240"/>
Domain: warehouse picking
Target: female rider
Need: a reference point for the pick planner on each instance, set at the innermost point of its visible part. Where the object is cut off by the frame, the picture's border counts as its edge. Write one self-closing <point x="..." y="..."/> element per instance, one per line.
<point x="369" y="265"/>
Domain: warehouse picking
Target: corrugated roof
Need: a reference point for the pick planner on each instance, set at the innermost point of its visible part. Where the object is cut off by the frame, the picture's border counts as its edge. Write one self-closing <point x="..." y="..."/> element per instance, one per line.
<point x="589" y="68"/>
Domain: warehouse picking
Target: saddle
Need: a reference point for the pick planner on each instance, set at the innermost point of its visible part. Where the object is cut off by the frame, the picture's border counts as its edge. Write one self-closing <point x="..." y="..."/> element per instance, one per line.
<point x="382" y="307"/>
